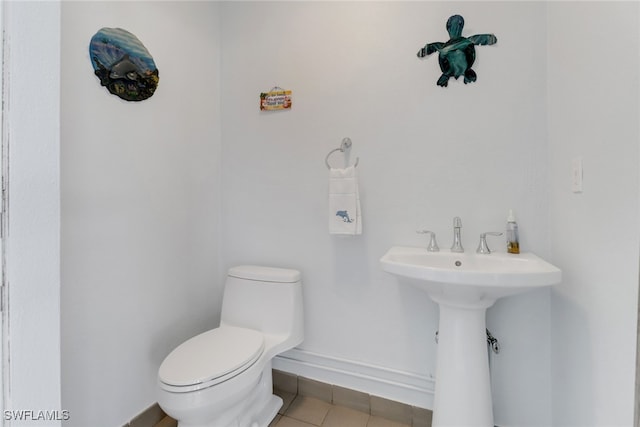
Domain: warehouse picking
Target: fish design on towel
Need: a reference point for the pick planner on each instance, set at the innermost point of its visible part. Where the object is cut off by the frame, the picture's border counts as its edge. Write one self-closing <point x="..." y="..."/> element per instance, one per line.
<point x="344" y="215"/>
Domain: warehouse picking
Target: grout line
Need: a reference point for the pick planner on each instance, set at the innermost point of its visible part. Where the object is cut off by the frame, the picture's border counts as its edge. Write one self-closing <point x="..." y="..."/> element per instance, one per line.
<point x="376" y="406"/>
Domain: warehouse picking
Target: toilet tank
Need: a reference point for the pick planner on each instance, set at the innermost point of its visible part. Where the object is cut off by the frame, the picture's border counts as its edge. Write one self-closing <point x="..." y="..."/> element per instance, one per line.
<point x="266" y="299"/>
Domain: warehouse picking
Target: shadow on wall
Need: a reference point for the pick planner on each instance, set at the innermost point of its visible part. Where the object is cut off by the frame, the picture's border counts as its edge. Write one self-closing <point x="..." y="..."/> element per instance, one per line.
<point x="351" y="277"/>
<point x="172" y="335"/>
<point x="573" y="318"/>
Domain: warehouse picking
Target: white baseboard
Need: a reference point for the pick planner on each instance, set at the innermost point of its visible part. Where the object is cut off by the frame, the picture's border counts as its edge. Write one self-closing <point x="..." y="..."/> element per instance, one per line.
<point x="406" y="387"/>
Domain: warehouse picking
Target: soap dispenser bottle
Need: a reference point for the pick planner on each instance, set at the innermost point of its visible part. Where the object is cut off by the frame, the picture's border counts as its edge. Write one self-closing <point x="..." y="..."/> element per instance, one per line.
<point x="513" y="243"/>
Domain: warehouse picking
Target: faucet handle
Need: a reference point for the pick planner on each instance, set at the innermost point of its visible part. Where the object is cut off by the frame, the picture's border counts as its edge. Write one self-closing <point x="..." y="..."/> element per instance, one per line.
<point x="482" y="246"/>
<point x="433" y="245"/>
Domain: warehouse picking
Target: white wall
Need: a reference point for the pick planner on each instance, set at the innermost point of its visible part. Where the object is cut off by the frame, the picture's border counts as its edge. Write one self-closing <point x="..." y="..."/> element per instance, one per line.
<point x="593" y="113"/>
<point x="140" y="202"/>
<point x="139" y="219"/>
<point x="427" y="154"/>
<point x="33" y="242"/>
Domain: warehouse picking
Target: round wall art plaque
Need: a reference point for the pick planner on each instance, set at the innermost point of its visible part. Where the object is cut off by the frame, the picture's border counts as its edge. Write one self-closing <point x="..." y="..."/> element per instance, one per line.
<point x="123" y="65"/>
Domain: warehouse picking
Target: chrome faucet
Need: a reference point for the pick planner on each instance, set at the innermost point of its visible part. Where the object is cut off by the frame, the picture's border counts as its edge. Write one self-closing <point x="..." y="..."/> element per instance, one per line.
<point x="482" y="246"/>
<point x="457" y="243"/>
<point x="433" y="245"/>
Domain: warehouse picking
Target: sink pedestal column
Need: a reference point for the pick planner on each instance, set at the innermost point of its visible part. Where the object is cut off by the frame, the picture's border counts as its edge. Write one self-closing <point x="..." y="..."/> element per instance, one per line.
<point x="463" y="388"/>
<point x="464" y="285"/>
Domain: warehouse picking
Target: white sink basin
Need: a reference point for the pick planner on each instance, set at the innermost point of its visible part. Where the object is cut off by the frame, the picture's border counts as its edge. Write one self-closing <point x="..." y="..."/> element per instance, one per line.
<point x="470" y="275"/>
<point x="464" y="285"/>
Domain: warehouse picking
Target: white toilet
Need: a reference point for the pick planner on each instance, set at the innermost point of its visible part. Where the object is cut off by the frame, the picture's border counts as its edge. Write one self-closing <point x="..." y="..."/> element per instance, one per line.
<point x="222" y="377"/>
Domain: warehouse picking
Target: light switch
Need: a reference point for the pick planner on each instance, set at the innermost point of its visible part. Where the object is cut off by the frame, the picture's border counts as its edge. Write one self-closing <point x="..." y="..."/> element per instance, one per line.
<point x="576" y="175"/>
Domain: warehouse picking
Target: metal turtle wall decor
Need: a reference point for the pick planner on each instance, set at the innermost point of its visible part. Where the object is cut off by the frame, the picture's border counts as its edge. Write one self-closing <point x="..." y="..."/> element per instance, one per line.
<point x="458" y="54"/>
<point x="123" y="65"/>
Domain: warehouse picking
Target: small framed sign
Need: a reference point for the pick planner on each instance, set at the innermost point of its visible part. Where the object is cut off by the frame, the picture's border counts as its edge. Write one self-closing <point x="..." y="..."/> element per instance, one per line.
<point x="276" y="99"/>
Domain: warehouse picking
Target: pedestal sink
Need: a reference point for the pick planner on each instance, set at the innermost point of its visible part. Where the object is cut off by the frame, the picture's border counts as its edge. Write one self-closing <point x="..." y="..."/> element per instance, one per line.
<point x="464" y="285"/>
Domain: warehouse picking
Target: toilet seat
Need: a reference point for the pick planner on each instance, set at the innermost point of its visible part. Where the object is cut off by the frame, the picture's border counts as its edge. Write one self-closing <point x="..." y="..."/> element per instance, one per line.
<point x="210" y="358"/>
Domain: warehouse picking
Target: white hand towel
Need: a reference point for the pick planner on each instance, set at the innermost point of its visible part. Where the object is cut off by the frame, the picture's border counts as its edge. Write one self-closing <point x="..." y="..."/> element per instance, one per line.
<point x="344" y="202"/>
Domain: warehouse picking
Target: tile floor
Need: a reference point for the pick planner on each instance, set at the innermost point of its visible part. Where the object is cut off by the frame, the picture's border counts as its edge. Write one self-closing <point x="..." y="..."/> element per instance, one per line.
<point x="304" y="411"/>
<point x="312" y="412"/>
<point x="310" y="403"/>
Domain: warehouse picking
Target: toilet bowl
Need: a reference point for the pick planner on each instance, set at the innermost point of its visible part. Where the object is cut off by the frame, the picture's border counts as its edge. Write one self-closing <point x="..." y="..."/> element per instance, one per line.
<point x="222" y="377"/>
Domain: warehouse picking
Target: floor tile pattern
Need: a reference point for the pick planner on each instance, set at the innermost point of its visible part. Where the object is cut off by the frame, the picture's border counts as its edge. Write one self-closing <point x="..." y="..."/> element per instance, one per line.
<point x="304" y="411"/>
<point x="319" y="404"/>
<point x="311" y="403"/>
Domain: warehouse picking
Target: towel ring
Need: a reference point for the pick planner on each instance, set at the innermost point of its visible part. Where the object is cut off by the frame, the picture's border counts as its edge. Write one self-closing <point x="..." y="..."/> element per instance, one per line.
<point x="345" y="145"/>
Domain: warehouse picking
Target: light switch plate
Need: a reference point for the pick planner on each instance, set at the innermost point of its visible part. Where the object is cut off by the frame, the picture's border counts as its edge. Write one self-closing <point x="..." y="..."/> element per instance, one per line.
<point x="576" y="175"/>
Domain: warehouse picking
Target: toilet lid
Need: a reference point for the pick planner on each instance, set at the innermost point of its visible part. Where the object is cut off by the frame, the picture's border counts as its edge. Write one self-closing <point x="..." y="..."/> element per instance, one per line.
<point x="210" y="355"/>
